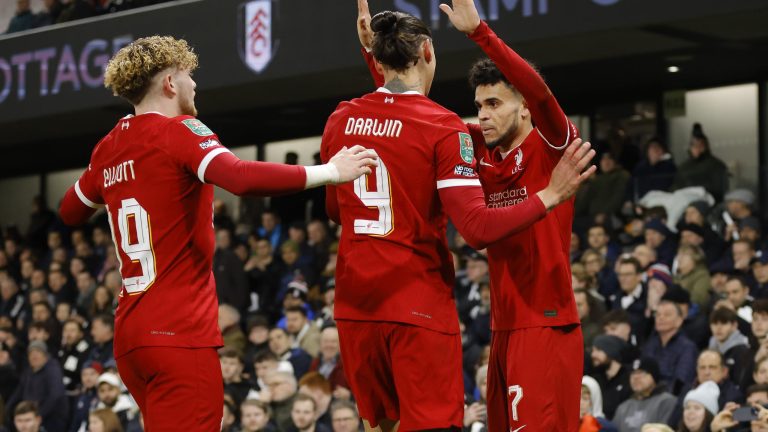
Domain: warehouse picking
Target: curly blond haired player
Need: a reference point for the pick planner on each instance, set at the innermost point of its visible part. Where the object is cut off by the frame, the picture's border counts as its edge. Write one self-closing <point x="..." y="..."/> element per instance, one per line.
<point x="154" y="174"/>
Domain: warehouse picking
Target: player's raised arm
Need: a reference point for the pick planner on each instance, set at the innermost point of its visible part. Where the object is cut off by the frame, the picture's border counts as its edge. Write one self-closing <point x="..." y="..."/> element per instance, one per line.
<point x="82" y="199"/>
<point x="481" y="226"/>
<point x="549" y="117"/>
<point x="365" y="34"/>
<point x="264" y="178"/>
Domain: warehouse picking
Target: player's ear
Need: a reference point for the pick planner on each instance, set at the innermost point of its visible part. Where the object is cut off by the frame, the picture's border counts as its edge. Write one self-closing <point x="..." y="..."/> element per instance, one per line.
<point x="427" y="48"/>
<point x="168" y="84"/>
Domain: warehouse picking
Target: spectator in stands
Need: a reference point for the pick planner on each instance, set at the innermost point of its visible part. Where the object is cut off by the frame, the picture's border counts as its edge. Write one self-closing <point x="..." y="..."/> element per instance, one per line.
<point x="467" y="287"/>
<point x="303" y="415"/>
<point x="659" y="238"/>
<point x="700" y="407"/>
<point x="88" y="397"/>
<point x="103" y="333"/>
<point x="104" y="420"/>
<point x="655" y="172"/>
<point x="231" y="280"/>
<point x="282" y="392"/>
<point x="738" y="204"/>
<point x="760" y="273"/>
<point x="229" y="416"/>
<point x="759" y="326"/>
<point x="633" y="295"/>
<point x="751" y="230"/>
<point x="591" y="408"/>
<point x="271" y="229"/>
<point x="75" y="10"/>
<point x="319" y="240"/>
<point x="731" y="344"/>
<point x="102" y="302"/>
<point x="264" y="277"/>
<point x="72" y="354"/>
<point x="318" y="388"/>
<point x="229" y="324"/>
<point x="599" y="240"/>
<point x="344" y="416"/>
<point x="723" y="421"/>
<point x="609" y="371"/>
<point x="739" y="300"/>
<point x="650" y="402"/>
<point x="112" y="397"/>
<point x="40" y="220"/>
<point x="304" y="332"/>
<point x="263" y="363"/>
<point x="9" y="375"/>
<point x="597" y="267"/>
<point x="26" y="417"/>
<point x="659" y="281"/>
<point x="280" y="345"/>
<point x="232" y="374"/>
<point x="760" y="374"/>
<point x="710" y="367"/>
<point x="692" y="274"/>
<point x="12" y="302"/>
<point x="23" y="19"/>
<point x="617" y="323"/>
<point x="328" y="363"/>
<point x="702" y="168"/>
<point x="292" y="270"/>
<point x="696" y="236"/>
<point x="258" y="340"/>
<point x="42" y="382"/>
<point x="696" y="323"/>
<point x="589" y="315"/>
<point x="668" y="345"/>
<point x="86" y="286"/>
<point x="606" y="191"/>
<point x="255" y="416"/>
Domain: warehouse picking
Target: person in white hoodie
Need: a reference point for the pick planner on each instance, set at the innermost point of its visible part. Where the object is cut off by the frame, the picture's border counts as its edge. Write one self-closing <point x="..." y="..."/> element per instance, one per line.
<point x="591" y="408"/>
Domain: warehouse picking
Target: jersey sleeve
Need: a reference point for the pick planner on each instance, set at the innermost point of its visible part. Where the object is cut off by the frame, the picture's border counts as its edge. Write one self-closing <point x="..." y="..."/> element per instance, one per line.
<point x="455" y="159"/>
<point x="378" y="78"/>
<point x="331" y="199"/>
<point x="193" y="145"/>
<point x="550" y="120"/>
<point x="89" y="187"/>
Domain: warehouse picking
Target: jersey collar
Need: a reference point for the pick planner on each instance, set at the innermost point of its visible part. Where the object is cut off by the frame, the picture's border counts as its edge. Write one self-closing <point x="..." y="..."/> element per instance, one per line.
<point x="387" y="91"/>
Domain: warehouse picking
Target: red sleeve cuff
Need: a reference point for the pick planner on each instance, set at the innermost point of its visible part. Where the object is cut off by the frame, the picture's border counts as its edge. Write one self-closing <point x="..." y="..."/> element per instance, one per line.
<point x="481" y="31"/>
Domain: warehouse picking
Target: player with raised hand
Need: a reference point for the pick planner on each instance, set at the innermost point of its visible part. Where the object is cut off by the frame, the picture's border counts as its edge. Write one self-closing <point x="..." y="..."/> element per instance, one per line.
<point x="394" y="305"/>
<point x="534" y="375"/>
<point x="154" y="174"/>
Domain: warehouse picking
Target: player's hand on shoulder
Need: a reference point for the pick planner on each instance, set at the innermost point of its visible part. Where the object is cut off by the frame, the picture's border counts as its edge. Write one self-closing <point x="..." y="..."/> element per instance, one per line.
<point x="463" y="15"/>
<point x="353" y="162"/>
<point x="569" y="173"/>
<point x="364" y="31"/>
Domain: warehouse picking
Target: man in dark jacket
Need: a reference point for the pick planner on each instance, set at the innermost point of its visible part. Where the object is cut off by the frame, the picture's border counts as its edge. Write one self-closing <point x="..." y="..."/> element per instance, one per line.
<point x="655" y="172"/>
<point x="609" y="372"/>
<point x="703" y="168"/>
<point x="23" y="20"/>
<point x="675" y="353"/>
<point x="42" y="382"/>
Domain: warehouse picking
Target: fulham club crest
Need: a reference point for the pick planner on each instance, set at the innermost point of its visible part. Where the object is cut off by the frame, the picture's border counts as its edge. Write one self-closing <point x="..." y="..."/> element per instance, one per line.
<point x="257" y="43"/>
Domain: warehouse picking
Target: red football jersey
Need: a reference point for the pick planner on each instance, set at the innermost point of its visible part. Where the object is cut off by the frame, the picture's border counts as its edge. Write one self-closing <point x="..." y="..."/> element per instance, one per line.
<point x="149" y="173"/>
<point x="530" y="271"/>
<point x="393" y="263"/>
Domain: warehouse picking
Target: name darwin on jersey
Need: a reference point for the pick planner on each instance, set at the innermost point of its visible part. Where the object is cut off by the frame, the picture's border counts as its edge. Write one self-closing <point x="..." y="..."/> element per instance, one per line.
<point x="119" y="173"/>
<point x="507" y="198"/>
<point x="373" y="127"/>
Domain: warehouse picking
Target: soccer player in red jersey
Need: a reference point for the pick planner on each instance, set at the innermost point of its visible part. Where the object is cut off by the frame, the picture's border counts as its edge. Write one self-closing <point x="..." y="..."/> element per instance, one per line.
<point x="534" y="375"/>
<point x="154" y="174"/>
<point x="394" y="306"/>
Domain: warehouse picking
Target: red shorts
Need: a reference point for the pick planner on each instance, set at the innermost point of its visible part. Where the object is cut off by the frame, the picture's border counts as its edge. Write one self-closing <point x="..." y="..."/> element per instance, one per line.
<point x="175" y="388"/>
<point x="534" y="379"/>
<point x="403" y="372"/>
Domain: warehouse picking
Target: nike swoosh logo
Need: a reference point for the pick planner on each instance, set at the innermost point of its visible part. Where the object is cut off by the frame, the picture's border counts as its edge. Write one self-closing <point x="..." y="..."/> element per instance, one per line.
<point x="483" y="162"/>
<point x="518" y="429"/>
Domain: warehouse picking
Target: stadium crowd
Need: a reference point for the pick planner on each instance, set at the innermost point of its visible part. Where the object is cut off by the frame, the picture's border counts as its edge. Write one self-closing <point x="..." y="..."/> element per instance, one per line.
<point x="60" y="11"/>
<point x="669" y="273"/>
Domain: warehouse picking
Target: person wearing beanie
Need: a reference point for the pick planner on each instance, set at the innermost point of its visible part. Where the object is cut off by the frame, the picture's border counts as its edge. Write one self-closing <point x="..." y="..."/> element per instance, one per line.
<point x="659" y="237"/>
<point x="609" y="371"/>
<point x="42" y="382"/>
<point x="88" y="397"/>
<point x="591" y="408"/>
<point x="659" y="280"/>
<point x="702" y="168"/>
<point x="650" y="402"/>
<point x="700" y="407"/>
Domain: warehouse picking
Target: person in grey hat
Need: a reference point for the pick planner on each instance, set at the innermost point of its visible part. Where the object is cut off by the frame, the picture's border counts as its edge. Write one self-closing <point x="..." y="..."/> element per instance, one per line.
<point x="650" y="402"/>
<point x="43" y="383"/>
<point x="609" y="371"/>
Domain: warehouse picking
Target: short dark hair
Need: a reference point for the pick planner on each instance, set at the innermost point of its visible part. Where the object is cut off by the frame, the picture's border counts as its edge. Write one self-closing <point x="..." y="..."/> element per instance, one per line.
<point x="756" y="388"/>
<point x="106" y="319"/>
<point x="739" y="279"/>
<point x="632" y="261"/>
<point x="230" y="352"/>
<point x="298" y="309"/>
<point x="396" y="39"/>
<point x="616" y="316"/>
<point x="601" y="226"/>
<point x="485" y="72"/>
<point x="265" y="355"/>
<point x="723" y="315"/>
<point x="25" y="407"/>
<point x="760" y="306"/>
<point x="301" y="397"/>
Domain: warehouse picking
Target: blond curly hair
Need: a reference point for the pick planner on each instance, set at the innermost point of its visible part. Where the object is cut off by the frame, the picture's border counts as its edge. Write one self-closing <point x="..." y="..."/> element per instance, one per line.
<point x="129" y="73"/>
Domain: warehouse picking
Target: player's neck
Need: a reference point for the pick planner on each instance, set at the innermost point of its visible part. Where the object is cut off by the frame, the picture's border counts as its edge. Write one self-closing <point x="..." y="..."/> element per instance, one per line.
<point x="166" y="107"/>
<point x="404" y="82"/>
<point x="515" y="140"/>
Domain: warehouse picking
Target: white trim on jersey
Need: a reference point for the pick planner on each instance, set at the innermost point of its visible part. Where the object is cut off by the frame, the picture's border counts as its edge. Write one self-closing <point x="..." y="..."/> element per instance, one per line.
<point x="441" y="184"/>
<point x="84" y="199"/>
<point x="207" y="160"/>
<point x="387" y="91"/>
<point x="567" y="135"/>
